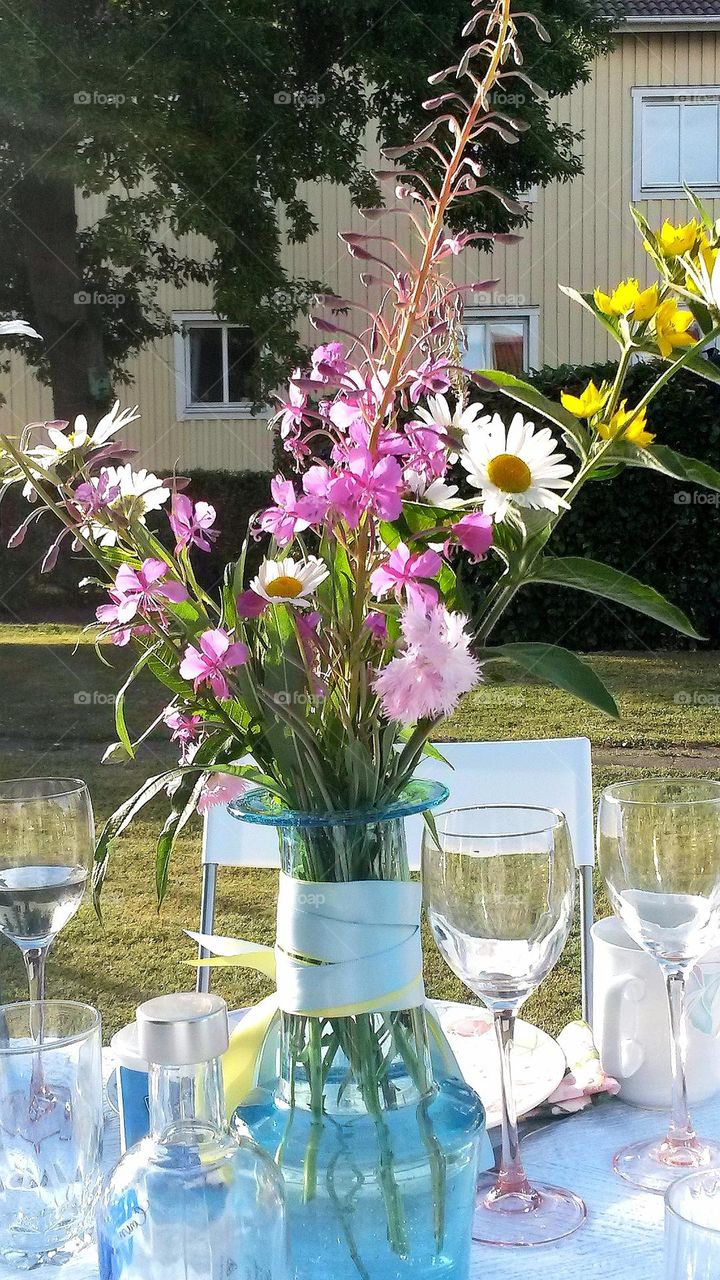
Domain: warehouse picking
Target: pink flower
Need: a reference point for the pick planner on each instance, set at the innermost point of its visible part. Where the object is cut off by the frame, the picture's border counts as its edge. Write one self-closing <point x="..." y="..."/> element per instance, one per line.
<point x="403" y="570"/>
<point x="453" y="245"/>
<point x="291" y="414"/>
<point x="358" y="433"/>
<point x="186" y="729"/>
<point x="221" y="788"/>
<point x="250" y="605"/>
<point x="96" y="494"/>
<point x="291" y="514"/>
<point x="430" y="378"/>
<point x="329" y="360"/>
<point x="475" y="533"/>
<point x="403" y="283"/>
<point x="138" y="593"/>
<point x="344" y="414"/>
<point x="368" y="485"/>
<point x="207" y="664"/>
<point x="307" y="625"/>
<point x="435" y="669"/>
<point x="192" y="525"/>
<point x="377" y="623"/>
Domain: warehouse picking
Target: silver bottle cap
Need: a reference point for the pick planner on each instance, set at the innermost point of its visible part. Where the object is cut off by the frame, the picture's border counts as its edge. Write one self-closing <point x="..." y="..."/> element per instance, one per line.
<point x="183" y="1029"/>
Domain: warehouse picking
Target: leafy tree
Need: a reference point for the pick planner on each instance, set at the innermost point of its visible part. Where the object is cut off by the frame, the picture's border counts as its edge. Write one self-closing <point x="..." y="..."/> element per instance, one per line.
<point x="203" y="117"/>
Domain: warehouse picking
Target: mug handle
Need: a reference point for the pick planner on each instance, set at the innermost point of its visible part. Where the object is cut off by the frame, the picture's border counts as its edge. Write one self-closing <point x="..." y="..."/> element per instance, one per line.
<point x="620" y="992"/>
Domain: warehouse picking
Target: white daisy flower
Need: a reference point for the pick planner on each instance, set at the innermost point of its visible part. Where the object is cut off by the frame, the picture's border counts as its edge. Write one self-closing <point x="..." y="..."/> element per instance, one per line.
<point x="140" y="492"/>
<point x="441" y="418"/>
<point x="436" y="494"/>
<point x="289" y="581"/>
<point x="517" y="467"/>
<point x="64" y="442"/>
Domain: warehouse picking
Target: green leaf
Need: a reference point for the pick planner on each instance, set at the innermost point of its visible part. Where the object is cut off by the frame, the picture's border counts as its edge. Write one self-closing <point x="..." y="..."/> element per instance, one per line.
<point x="669" y="463"/>
<point x="430" y="823"/>
<point x="169" y="677"/>
<point x="117" y="823"/>
<point x="698" y="363"/>
<point x="613" y="584"/>
<point x="184" y="805"/>
<point x="587" y="300"/>
<point x="560" y="667"/>
<point x="120" y="725"/>
<point x="517" y="389"/>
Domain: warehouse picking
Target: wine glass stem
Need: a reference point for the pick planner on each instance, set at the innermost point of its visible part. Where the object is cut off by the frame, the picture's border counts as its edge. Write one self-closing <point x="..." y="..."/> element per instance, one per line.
<point x="681" y="1129"/>
<point x="511" y="1176"/>
<point x="35" y="958"/>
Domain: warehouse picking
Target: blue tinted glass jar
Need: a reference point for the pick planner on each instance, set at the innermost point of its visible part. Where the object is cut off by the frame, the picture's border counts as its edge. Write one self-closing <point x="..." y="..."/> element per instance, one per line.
<point x="375" y="1133"/>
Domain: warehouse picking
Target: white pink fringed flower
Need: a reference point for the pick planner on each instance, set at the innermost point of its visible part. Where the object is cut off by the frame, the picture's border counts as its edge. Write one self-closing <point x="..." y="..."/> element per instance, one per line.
<point x="434" y="670"/>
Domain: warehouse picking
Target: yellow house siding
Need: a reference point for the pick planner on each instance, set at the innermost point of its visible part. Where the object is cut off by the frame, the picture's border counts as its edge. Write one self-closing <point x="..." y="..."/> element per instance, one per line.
<point x="581" y="234"/>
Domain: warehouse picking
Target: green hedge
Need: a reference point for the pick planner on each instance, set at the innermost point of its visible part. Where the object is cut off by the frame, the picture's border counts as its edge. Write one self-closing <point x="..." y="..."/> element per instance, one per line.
<point x="26" y="594"/>
<point x="664" y="533"/>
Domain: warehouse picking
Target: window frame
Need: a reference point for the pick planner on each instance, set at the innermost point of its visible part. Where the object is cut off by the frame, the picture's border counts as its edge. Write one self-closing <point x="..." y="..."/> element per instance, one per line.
<point x="184" y="407"/>
<point x="640" y="94"/>
<point x="529" y="315"/>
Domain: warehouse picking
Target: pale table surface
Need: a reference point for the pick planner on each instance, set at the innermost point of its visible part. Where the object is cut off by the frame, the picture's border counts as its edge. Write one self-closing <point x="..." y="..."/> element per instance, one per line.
<point x="621" y="1240"/>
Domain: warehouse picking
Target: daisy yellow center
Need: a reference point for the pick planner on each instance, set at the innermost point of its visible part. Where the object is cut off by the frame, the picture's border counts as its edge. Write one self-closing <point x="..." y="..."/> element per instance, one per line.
<point x="509" y="473"/>
<point x="284" y="586"/>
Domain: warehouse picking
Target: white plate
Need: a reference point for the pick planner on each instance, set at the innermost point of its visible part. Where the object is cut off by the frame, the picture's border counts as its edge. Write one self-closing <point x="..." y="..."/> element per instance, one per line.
<point x="538" y="1063"/>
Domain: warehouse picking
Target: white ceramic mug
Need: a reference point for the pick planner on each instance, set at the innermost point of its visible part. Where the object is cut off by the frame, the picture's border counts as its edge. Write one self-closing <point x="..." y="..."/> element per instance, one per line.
<point x="631" y="1024"/>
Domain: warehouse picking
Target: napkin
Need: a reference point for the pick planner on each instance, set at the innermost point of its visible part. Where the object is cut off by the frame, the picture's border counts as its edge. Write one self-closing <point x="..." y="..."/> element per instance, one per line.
<point x="585" y="1081"/>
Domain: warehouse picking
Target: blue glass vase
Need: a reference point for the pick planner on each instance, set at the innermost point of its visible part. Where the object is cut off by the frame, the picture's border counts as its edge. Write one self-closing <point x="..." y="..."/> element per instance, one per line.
<point x="374" y="1130"/>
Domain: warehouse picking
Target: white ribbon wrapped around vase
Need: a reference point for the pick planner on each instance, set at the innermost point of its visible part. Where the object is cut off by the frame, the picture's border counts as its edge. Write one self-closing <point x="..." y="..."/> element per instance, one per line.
<point x="348" y="948"/>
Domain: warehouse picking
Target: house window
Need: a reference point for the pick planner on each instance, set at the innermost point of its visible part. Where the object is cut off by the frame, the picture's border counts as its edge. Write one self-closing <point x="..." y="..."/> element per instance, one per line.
<point x="215" y="363"/>
<point x="676" y="141"/>
<point x="502" y="338"/>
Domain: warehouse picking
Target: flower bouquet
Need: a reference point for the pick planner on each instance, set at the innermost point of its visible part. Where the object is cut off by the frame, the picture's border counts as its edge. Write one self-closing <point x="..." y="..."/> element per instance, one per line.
<point x="308" y="694"/>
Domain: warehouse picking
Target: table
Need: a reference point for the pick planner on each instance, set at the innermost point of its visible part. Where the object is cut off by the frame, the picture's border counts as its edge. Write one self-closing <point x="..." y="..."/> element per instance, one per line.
<point x="622" y="1237"/>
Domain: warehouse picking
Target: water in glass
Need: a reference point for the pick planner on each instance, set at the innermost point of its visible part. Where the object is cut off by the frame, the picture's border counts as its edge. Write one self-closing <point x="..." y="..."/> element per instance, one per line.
<point x="659" y="852"/>
<point x="499" y="886"/>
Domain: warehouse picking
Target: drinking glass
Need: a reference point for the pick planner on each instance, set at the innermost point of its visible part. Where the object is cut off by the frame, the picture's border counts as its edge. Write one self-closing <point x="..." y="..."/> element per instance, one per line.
<point x="692" y="1227"/>
<point x="659" y="853"/>
<point x="51" y="1143"/>
<point x="46" y="847"/>
<point x="499" y="889"/>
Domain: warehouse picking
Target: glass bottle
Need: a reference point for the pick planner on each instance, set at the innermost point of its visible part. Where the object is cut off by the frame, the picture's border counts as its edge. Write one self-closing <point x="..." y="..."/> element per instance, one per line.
<point x="191" y="1201"/>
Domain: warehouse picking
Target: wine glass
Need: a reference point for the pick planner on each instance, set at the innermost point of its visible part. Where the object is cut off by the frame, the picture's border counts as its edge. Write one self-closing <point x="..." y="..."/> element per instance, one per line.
<point x="659" y="853"/>
<point x="499" y="889"/>
<point x="46" y="845"/>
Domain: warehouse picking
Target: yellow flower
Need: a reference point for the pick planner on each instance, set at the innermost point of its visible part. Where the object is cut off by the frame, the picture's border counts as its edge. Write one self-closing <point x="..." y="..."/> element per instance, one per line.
<point x="671" y="326"/>
<point x="628" y="299"/>
<point x="647" y="304"/>
<point x="588" y="404"/>
<point x="619" y="303"/>
<point x="674" y="241"/>
<point x="618" y="425"/>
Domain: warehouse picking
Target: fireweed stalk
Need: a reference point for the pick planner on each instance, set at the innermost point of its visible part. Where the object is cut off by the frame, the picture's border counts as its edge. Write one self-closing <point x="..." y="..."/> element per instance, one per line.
<point x="333" y="665"/>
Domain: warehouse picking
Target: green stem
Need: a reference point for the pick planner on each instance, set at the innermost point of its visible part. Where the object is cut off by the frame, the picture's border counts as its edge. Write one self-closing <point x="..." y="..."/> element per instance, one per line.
<point x="672" y="369"/>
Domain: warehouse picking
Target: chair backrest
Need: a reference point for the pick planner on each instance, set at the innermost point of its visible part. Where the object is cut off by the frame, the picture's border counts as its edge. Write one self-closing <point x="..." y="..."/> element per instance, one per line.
<point x="553" y="772"/>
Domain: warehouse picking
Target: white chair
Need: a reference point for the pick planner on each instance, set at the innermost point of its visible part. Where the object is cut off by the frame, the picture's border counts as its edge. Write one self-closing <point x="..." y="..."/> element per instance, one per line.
<point x="555" y="772"/>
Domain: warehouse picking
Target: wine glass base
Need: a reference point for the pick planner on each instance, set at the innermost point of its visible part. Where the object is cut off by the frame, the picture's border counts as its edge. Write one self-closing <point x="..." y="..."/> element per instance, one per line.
<point x="540" y="1217"/>
<point x="655" y="1165"/>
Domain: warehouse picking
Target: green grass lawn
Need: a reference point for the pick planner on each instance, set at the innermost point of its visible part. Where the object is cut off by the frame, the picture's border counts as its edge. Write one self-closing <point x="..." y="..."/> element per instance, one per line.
<point x="56" y="716"/>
